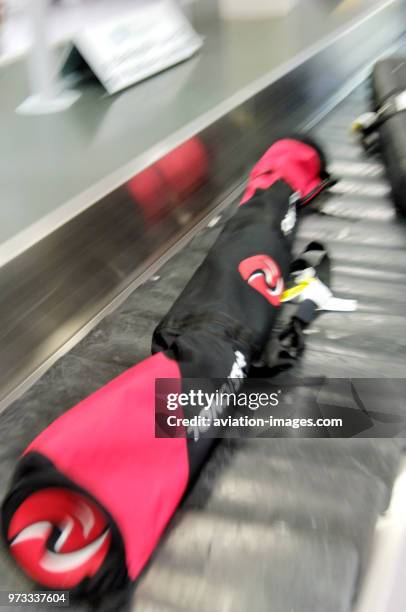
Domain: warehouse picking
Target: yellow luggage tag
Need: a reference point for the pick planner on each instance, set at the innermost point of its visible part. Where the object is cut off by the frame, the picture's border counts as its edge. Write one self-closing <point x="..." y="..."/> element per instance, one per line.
<point x="294" y="291"/>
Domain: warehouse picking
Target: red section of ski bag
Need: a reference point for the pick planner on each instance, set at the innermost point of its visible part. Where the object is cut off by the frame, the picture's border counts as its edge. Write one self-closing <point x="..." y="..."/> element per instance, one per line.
<point x="106" y="445"/>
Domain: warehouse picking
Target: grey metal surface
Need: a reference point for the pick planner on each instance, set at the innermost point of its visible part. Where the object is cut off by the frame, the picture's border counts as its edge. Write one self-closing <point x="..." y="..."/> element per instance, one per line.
<point x="282" y="525"/>
<point x="48" y="161"/>
<point x="49" y="293"/>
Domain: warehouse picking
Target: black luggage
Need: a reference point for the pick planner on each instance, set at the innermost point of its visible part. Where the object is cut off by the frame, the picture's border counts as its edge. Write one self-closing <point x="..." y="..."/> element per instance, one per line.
<point x="389" y="122"/>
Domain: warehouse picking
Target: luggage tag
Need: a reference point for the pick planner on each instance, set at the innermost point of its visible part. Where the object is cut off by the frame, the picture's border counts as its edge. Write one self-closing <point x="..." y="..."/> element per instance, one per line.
<point x="310" y="280"/>
<point x="306" y="286"/>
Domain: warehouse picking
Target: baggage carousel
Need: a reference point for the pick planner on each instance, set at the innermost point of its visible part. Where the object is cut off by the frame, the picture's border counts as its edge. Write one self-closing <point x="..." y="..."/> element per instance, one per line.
<point x="76" y="233"/>
<point x="271" y="524"/>
<point x="275" y="525"/>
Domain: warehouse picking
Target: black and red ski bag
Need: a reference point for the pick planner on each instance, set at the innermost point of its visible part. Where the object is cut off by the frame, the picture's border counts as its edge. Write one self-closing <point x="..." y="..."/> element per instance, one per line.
<point x="93" y="493"/>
